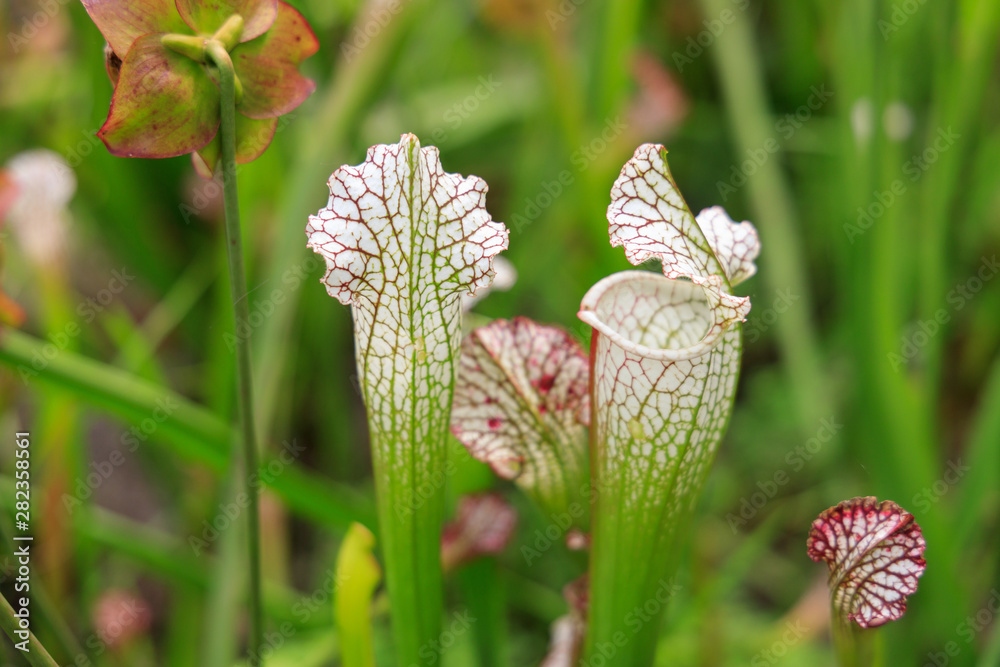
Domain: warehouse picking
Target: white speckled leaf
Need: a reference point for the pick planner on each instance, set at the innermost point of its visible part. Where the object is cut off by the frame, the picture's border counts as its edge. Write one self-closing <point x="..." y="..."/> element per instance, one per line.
<point x="649" y="217"/>
<point x="403" y="240"/>
<point x="875" y="554"/>
<point x="522" y="404"/>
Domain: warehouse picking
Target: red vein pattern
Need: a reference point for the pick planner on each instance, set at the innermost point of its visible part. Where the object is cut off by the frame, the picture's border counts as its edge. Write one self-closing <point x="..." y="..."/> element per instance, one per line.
<point x="403" y="241"/>
<point x="522" y="405"/>
<point x="666" y="355"/>
<point x="649" y="218"/>
<point x="875" y="554"/>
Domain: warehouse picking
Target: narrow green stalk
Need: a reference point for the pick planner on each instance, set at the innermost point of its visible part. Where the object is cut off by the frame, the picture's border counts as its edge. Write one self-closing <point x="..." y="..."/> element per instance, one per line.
<point x="36" y="654"/>
<point x="856" y="647"/>
<point x="188" y="429"/>
<point x="237" y="280"/>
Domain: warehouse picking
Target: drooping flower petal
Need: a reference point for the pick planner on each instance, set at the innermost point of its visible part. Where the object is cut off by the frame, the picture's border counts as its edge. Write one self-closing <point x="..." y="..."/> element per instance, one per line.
<point x="124" y="21"/>
<point x="521" y="392"/>
<point x="875" y="554"/>
<point x="253" y="136"/>
<point x="483" y="526"/>
<point x="648" y="216"/>
<point x="207" y="16"/>
<point x="268" y="66"/>
<point x="164" y="104"/>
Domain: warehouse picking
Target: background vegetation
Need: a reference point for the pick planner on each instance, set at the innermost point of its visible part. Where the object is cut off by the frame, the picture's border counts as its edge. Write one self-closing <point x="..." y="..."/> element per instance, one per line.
<point x="862" y="138"/>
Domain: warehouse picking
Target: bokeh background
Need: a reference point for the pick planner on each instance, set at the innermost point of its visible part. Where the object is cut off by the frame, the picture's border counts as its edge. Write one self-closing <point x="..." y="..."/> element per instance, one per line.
<point x="862" y="139"/>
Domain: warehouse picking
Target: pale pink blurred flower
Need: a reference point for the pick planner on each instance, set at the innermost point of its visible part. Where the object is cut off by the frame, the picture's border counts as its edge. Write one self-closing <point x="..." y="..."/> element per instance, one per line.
<point x="119" y="617"/>
<point x="38" y="217"/>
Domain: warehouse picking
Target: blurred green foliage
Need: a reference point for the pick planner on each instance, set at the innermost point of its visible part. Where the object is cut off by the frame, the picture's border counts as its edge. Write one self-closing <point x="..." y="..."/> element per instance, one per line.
<point x="862" y="138"/>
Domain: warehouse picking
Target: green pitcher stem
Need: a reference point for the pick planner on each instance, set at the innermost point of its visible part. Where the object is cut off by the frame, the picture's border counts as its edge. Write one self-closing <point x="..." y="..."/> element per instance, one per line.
<point x="855" y="647"/>
<point x="241" y="310"/>
<point x="36" y="654"/>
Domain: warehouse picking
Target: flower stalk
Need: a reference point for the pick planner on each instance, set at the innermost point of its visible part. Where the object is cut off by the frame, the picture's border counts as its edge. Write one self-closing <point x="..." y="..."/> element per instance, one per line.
<point x="35" y="654"/>
<point x="218" y="55"/>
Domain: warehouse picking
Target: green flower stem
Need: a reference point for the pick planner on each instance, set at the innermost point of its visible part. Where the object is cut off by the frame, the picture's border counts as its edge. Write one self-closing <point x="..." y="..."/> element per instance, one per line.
<point x="237" y="277"/>
<point x="36" y="654"/>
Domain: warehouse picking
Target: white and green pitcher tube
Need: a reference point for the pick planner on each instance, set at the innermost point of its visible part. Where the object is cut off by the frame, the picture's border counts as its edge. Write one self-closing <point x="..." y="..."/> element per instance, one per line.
<point x="403" y="241"/>
<point x="665" y="362"/>
<point x="665" y="356"/>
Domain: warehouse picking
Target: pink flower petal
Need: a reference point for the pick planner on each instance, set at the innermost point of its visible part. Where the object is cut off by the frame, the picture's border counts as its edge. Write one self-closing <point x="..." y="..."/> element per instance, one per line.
<point x="875" y="554"/>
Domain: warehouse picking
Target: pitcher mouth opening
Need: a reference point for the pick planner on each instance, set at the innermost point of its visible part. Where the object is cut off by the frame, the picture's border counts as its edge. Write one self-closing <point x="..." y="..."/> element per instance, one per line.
<point x="656" y="317"/>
